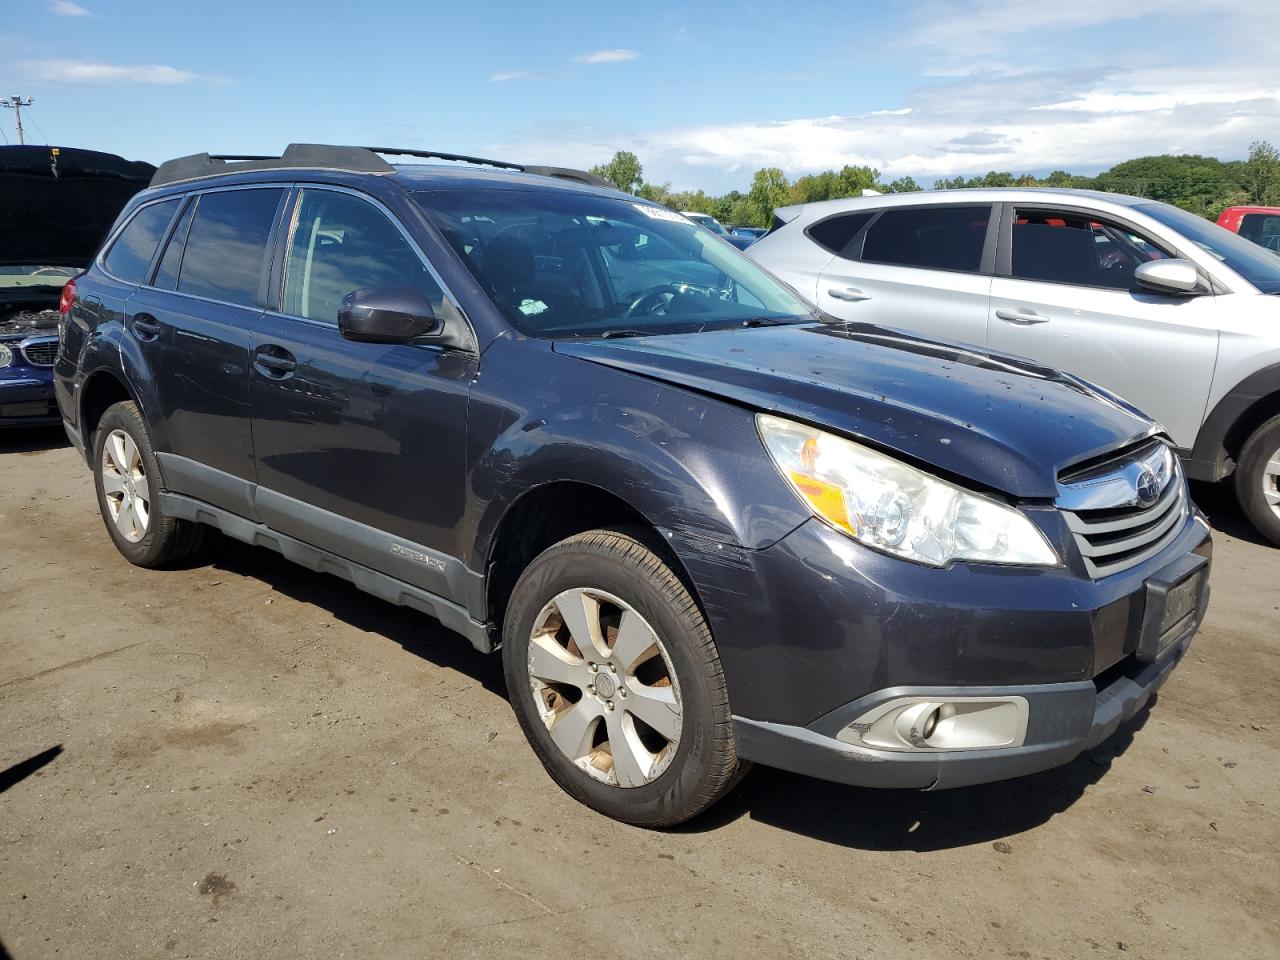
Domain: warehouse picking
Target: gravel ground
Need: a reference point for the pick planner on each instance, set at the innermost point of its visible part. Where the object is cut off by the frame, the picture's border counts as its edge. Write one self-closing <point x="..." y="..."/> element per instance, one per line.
<point x="246" y="759"/>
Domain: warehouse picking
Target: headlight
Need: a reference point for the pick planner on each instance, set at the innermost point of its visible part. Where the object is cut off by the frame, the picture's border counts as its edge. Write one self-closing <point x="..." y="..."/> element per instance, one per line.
<point x="6" y="356"/>
<point x="885" y="504"/>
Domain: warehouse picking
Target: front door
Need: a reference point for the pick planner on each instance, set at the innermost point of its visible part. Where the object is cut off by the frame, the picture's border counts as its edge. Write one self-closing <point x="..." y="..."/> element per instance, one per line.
<point x="1070" y="301"/>
<point x="359" y="446"/>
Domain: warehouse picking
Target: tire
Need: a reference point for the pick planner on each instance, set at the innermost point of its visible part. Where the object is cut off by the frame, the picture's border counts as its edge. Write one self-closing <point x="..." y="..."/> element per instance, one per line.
<point x="1257" y="479"/>
<point x="649" y="779"/>
<point x="127" y="478"/>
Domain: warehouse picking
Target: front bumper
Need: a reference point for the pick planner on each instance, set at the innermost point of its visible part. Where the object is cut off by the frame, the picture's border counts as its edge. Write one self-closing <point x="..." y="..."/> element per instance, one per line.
<point x="26" y="397"/>
<point x="1064" y="719"/>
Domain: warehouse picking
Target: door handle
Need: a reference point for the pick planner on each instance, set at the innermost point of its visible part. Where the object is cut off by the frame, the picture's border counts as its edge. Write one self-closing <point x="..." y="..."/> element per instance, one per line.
<point x="848" y="294"/>
<point x="1023" y="318"/>
<point x="145" y="327"/>
<point x="274" y="362"/>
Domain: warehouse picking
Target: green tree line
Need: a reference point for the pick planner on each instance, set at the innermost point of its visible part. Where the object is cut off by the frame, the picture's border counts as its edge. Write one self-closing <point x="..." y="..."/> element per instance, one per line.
<point x="1202" y="185"/>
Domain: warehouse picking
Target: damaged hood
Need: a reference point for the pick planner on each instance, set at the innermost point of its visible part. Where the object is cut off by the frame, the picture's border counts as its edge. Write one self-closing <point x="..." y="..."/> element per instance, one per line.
<point x="57" y="203"/>
<point x="1002" y="423"/>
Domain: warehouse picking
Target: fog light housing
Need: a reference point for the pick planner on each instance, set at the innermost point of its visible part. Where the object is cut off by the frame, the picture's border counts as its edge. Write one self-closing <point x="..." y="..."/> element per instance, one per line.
<point x="941" y="723"/>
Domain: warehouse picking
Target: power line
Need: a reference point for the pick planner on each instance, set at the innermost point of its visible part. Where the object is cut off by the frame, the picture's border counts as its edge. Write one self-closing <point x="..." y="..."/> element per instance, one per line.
<point x="16" y="103"/>
<point x="44" y="136"/>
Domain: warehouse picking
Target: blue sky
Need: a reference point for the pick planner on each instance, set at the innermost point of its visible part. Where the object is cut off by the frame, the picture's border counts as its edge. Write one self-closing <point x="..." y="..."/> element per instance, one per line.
<point x="704" y="93"/>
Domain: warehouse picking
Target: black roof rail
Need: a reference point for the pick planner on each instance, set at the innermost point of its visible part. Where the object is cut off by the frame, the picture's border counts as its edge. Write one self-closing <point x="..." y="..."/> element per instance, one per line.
<point x="299" y="155"/>
<point x="353" y="159"/>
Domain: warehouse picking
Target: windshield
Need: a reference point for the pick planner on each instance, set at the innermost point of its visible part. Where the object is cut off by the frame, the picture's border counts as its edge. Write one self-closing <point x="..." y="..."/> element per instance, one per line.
<point x="1256" y="264"/>
<point x="561" y="263"/>
<point x="35" y="275"/>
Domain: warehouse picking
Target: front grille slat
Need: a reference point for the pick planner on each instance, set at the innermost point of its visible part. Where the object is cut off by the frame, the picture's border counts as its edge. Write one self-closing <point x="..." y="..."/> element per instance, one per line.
<point x="1112" y="531"/>
<point x="42" y="352"/>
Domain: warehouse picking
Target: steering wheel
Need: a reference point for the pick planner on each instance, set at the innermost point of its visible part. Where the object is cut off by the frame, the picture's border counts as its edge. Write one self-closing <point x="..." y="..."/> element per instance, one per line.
<point x="653" y="298"/>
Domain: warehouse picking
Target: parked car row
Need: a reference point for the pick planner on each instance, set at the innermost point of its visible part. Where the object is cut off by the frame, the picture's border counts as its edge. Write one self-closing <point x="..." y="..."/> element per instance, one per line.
<point x="1162" y="307"/>
<point x="705" y="522"/>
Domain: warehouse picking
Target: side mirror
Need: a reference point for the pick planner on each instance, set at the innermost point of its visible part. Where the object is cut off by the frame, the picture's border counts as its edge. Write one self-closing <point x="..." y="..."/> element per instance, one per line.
<point x="1168" y="276"/>
<point x="387" y="315"/>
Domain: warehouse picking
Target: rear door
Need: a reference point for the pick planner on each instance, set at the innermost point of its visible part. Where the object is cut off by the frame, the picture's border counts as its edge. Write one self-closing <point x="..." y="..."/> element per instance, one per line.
<point x="919" y="268"/>
<point x="1067" y="299"/>
<point x="192" y="324"/>
<point x="359" y="446"/>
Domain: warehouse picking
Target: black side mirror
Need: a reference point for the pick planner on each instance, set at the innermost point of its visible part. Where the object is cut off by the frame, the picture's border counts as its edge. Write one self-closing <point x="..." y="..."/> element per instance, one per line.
<point x="387" y="315"/>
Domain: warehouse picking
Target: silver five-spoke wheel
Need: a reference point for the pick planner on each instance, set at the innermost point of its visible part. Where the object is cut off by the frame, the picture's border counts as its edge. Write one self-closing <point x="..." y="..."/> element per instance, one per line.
<point x="124" y="481"/>
<point x="604" y="687"/>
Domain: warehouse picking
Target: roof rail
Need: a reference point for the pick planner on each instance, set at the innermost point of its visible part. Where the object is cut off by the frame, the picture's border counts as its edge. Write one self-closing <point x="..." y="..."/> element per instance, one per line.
<point x="352" y="159"/>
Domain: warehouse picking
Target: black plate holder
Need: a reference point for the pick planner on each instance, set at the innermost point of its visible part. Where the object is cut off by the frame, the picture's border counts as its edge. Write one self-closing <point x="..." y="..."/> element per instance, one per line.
<point x="1151" y="642"/>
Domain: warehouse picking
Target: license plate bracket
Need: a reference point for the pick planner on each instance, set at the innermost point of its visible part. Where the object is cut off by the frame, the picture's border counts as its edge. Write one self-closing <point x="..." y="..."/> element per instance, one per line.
<point x="1176" y="598"/>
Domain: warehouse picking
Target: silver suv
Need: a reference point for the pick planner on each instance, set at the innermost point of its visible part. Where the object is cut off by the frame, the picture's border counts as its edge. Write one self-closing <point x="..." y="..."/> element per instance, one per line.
<point x="1170" y="311"/>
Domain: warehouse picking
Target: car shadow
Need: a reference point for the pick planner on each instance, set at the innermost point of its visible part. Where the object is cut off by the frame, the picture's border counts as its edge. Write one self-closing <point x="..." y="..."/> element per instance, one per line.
<point x="32" y="440"/>
<point x="1218" y="501"/>
<point x="416" y="632"/>
<point x="920" y="821"/>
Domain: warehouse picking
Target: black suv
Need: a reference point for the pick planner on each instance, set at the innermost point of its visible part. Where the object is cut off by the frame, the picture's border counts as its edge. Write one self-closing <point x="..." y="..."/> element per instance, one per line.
<point x="705" y="524"/>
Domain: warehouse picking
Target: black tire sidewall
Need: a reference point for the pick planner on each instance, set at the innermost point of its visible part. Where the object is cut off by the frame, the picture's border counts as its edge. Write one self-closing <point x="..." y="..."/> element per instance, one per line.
<point x="673" y="795"/>
<point x="1259" y="449"/>
<point x="125" y="416"/>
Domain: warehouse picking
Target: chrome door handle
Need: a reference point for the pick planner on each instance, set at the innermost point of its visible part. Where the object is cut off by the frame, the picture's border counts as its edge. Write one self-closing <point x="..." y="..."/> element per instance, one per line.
<point x="848" y="294"/>
<point x="1023" y="318"/>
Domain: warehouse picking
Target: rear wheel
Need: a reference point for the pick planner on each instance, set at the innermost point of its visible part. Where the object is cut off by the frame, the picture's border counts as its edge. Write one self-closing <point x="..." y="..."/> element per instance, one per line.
<point x="127" y="478"/>
<point x="1257" y="479"/>
<point x="616" y="681"/>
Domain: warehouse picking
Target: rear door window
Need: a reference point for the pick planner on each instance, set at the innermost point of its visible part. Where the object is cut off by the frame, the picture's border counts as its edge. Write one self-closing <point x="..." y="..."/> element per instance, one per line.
<point x="835" y="233"/>
<point x="130" y="256"/>
<point x="932" y="238"/>
<point x="227" y="245"/>
<point x="1078" y="249"/>
<point x="171" y="259"/>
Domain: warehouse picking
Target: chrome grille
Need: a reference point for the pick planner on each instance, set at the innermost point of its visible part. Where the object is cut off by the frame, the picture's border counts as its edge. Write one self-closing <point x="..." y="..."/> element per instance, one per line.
<point x="1115" y="526"/>
<point x="40" y="352"/>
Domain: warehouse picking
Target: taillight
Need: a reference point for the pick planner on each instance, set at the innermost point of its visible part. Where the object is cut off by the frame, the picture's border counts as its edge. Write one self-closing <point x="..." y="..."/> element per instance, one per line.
<point x="68" y="298"/>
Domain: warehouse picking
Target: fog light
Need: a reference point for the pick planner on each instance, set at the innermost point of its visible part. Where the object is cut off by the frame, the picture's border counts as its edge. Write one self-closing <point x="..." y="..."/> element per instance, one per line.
<point x="942" y="723"/>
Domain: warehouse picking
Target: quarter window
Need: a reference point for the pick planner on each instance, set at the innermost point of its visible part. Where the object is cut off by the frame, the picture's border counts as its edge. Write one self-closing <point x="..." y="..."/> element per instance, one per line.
<point x="341" y="243"/>
<point x="835" y="233"/>
<point x="1077" y="249"/>
<point x="934" y="238"/>
<point x="227" y="245"/>
<point x="131" y="254"/>
<point x="171" y="260"/>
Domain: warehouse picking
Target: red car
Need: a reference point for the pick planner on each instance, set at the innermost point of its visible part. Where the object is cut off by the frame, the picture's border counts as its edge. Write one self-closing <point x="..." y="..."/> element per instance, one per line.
<point x="1259" y="224"/>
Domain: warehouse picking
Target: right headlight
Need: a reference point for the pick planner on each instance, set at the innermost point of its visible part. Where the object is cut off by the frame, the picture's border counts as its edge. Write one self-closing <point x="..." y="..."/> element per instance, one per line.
<point x="894" y="507"/>
<point x="6" y="356"/>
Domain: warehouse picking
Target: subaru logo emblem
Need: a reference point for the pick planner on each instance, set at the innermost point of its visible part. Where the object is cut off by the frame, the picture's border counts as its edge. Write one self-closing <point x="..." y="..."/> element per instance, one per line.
<point x="1148" y="487"/>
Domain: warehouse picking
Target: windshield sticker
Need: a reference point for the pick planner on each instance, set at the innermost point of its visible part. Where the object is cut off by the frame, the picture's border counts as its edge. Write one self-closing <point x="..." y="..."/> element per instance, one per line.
<point x="659" y="213"/>
<point x="531" y="308"/>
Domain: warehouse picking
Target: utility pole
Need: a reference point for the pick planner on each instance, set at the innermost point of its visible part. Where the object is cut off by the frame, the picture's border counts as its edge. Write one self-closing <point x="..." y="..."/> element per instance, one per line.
<point x="16" y="103"/>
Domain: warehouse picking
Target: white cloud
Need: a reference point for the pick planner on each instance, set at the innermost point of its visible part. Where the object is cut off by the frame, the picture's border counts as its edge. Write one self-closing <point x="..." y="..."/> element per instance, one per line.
<point x="83" y="71"/>
<point x="607" y="56"/>
<point x="504" y="75"/>
<point x="65" y="8"/>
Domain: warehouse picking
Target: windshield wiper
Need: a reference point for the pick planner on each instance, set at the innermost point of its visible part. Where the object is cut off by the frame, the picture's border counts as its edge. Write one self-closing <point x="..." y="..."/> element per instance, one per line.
<point x="617" y="334"/>
<point x="762" y="322"/>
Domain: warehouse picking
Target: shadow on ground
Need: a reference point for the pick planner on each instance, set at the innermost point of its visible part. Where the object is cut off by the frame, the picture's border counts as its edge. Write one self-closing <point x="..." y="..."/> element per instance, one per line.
<point x="853" y="817"/>
<point x="35" y="440"/>
<point x="416" y="632"/>
<point x="1218" y="501"/>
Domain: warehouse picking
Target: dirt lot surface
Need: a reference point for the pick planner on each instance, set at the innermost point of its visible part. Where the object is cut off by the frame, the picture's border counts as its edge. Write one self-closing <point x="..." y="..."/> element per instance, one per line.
<point x="246" y="759"/>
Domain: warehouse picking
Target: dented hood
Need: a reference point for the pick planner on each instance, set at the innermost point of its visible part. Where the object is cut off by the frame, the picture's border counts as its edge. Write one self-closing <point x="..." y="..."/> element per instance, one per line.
<point x="57" y="203"/>
<point x="1001" y="423"/>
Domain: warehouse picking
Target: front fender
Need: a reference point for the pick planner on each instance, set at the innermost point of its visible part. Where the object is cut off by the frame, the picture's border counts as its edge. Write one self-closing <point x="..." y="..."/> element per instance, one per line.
<point x="692" y="465"/>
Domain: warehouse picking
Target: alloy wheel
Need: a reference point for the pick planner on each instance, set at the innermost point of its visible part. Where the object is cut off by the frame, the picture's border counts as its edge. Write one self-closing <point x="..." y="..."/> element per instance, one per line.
<point x="604" y="687"/>
<point x="1271" y="482"/>
<point x="125" y="485"/>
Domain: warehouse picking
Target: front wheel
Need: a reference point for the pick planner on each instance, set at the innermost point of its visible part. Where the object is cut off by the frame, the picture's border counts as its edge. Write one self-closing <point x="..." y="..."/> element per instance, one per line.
<point x="1257" y="479"/>
<point x="616" y="681"/>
